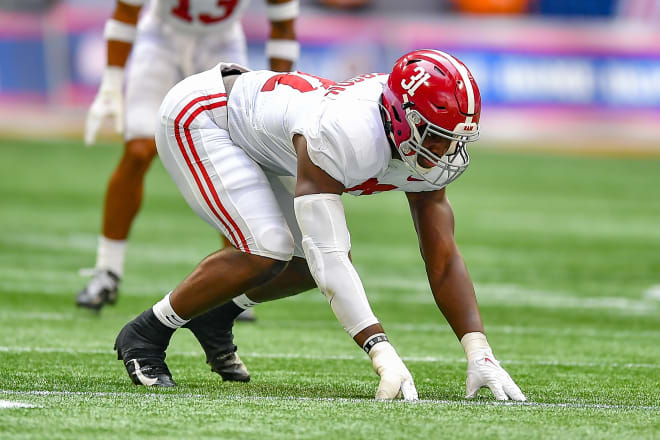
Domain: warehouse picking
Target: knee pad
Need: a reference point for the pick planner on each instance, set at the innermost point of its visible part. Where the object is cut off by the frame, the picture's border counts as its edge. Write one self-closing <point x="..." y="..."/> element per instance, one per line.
<point x="276" y="242"/>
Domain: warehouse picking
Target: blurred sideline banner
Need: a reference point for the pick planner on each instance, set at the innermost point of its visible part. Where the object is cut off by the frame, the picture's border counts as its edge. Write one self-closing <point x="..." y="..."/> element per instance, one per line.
<point x="597" y="81"/>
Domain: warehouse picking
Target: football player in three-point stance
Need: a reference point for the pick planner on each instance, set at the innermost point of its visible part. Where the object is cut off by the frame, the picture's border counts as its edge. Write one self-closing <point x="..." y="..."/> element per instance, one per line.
<point x="174" y="39"/>
<point x="264" y="158"/>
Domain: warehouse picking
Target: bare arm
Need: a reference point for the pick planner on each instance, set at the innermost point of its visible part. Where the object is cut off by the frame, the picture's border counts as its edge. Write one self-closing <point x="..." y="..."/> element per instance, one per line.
<point x="118" y="51"/>
<point x="312" y="179"/>
<point x="454" y="294"/>
<point x="449" y="279"/>
<point x="281" y="30"/>
<point x="119" y="33"/>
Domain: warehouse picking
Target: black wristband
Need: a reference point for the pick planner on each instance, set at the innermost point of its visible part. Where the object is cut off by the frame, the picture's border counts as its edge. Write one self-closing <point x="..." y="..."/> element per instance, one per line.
<point x="373" y="340"/>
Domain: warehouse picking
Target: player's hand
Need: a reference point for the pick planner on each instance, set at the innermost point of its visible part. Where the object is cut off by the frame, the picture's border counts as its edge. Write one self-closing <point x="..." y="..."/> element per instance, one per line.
<point x="108" y="103"/>
<point x="395" y="379"/>
<point x="485" y="371"/>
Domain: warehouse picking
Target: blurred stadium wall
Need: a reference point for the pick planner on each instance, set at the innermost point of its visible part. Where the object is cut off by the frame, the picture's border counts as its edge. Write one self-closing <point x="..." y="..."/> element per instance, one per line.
<point x="561" y="74"/>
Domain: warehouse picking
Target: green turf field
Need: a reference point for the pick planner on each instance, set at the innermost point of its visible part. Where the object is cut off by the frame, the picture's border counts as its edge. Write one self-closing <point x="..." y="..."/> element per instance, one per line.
<point x="564" y="251"/>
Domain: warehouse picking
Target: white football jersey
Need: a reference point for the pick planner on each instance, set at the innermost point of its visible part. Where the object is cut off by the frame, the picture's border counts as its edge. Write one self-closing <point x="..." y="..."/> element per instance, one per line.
<point x="198" y="16"/>
<point x="340" y="121"/>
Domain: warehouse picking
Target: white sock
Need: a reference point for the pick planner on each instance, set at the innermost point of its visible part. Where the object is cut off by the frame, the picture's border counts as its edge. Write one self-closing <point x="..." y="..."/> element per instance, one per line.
<point x="166" y="314"/>
<point x="110" y="255"/>
<point x="244" y="302"/>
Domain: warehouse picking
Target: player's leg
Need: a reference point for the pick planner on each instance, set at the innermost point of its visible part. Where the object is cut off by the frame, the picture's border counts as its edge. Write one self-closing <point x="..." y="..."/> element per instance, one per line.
<point x="229" y="191"/>
<point x="123" y="196"/>
<point x="229" y="46"/>
<point x="150" y="74"/>
<point x="214" y="328"/>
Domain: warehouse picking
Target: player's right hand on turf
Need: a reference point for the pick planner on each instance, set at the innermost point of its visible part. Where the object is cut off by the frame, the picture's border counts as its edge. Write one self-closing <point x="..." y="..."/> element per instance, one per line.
<point x="485" y="371"/>
<point x="108" y="103"/>
<point x="395" y="379"/>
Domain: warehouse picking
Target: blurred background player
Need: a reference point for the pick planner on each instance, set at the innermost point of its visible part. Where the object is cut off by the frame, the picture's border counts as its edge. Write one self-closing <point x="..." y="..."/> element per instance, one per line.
<point x="171" y="40"/>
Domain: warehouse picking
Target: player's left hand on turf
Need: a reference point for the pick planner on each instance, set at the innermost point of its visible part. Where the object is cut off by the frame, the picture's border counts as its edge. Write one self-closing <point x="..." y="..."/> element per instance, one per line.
<point x="485" y="371"/>
<point x="395" y="379"/>
<point x="107" y="104"/>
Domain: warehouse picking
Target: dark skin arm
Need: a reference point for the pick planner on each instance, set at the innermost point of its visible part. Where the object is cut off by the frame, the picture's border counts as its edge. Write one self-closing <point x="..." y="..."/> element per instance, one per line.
<point x="313" y="180"/>
<point x="448" y="276"/>
<point x="281" y="30"/>
<point x="118" y="51"/>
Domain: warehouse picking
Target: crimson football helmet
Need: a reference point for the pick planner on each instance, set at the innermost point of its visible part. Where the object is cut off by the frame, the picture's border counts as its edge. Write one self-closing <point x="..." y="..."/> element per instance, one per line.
<point x="431" y="93"/>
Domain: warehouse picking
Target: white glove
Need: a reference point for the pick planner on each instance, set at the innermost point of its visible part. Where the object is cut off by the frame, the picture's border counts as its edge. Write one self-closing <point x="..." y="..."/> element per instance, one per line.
<point x="395" y="379"/>
<point x="108" y="103"/>
<point x="484" y="370"/>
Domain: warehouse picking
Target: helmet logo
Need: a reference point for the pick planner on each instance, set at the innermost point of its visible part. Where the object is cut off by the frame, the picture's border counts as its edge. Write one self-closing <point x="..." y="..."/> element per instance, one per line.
<point x="415" y="80"/>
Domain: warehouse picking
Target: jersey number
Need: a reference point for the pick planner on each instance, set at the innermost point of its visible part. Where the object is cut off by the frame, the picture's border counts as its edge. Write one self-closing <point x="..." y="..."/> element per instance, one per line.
<point x="371" y="186"/>
<point x="295" y="82"/>
<point x="225" y="8"/>
<point x="415" y="80"/>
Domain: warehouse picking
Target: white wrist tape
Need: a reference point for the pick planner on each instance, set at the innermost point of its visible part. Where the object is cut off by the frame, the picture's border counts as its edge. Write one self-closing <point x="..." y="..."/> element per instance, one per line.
<point x="283" y="49"/>
<point x="282" y="11"/>
<point x="326" y="242"/>
<point x="119" y="31"/>
<point x="474" y="343"/>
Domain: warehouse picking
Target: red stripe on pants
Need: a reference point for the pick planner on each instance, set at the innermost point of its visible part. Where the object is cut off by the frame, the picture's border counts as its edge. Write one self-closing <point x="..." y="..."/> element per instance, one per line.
<point x="241" y="243"/>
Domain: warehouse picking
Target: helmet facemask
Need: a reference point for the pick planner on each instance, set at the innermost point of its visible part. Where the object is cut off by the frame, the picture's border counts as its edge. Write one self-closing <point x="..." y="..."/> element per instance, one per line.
<point x="451" y="164"/>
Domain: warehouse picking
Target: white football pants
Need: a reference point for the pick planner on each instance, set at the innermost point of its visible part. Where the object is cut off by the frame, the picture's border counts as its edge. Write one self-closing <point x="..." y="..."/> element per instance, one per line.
<point x="163" y="56"/>
<point x="220" y="182"/>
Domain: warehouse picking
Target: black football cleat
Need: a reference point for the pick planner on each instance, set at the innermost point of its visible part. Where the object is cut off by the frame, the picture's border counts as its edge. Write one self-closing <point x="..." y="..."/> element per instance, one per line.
<point x="230" y="367"/>
<point x="149" y="372"/>
<point x="213" y="330"/>
<point x="102" y="289"/>
<point x="141" y="344"/>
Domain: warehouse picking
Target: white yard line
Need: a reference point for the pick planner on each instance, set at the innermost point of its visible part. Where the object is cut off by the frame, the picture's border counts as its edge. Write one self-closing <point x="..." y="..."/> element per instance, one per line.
<point x="330" y="399"/>
<point x="524" y="330"/>
<point x="416" y="292"/>
<point x="400" y="327"/>
<point x="653" y="293"/>
<point x="8" y="404"/>
<point x="428" y="359"/>
<point x="41" y="316"/>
